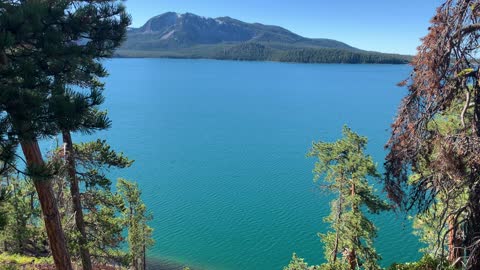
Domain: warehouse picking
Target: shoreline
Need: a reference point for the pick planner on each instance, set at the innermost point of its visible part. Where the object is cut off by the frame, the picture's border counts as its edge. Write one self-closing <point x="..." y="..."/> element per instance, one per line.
<point x="143" y="55"/>
<point x="255" y="61"/>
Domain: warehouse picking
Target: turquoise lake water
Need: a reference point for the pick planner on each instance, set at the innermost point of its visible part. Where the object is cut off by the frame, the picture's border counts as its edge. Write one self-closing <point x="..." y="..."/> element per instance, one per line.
<point x="220" y="154"/>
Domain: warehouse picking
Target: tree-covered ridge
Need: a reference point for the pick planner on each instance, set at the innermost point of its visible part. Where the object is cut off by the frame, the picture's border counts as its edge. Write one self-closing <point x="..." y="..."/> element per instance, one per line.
<point x="262" y="52"/>
<point x="254" y="51"/>
<point x="174" y="35"/>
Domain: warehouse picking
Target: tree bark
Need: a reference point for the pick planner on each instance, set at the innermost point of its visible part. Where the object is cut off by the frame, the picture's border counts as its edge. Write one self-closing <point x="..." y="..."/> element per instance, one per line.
<point x="455" y="251"/>
<point x="352" y="255"/>
<point x="76" y="200"/>
<point x="352" y="259"/>
<point x="144" y="265"/>
<point x="48" y="203"/>
<point x="135" y="258"/>
<point x="339" y="216"/>
<point x="472" y="229"/>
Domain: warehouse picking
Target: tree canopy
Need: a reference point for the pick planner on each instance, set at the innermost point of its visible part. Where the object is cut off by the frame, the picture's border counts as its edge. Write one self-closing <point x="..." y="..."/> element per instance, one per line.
<point x="446" y="164"/>
<point x="346" y="170"/>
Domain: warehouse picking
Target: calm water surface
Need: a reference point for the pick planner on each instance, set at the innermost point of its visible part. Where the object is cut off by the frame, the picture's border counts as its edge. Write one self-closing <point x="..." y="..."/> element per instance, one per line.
<point x="220" y="153"/>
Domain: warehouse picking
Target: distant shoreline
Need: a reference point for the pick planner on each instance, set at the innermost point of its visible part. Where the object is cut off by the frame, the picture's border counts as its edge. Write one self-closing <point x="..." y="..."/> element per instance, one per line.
<point x="245" y="60"/>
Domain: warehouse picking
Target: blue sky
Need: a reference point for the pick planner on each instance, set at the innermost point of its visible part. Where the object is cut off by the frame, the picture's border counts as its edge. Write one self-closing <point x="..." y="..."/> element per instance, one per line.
<point x="378" y="25"/>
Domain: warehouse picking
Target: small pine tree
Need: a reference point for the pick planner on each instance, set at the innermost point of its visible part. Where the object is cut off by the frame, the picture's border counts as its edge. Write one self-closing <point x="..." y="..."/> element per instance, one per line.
<point x="136" y="217"/>
<point x="296" y="264"/>
<point x="101" y="206"/>
<point x="345" y="168"/>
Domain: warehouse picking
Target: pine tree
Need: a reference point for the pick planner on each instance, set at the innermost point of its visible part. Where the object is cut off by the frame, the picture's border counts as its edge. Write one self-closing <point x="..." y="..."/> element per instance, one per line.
<point x="444" y="73"/>
<point x="440" y="226"/>
<point x="346" y="169"/>
<point x="24" y="83"/>
<point x="77" y="110"/>
<point x="20" y="234"/>
<point x="46" y="46"/>
<point x="299" y="264"/>
<point x="136" y="218"/>
<point x="102" y="207"/>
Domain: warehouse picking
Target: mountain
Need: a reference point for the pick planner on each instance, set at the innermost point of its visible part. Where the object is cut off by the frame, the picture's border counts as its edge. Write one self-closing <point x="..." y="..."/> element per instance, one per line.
<point x="191" y="36"/>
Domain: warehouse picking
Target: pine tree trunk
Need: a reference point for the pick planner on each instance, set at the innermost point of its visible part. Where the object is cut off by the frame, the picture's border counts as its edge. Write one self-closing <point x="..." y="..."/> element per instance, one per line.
<point x="352" y="256"/>
<point x="76" y="200"/>
<point x="352" y="259"/>
<point x="337" y="236"/>
<point x="454" y="245"/>
<point x="135" y="253"/>
<point x="144" y="266"/>
<point x="472" y="229"/>
<point x="48" y="203"/>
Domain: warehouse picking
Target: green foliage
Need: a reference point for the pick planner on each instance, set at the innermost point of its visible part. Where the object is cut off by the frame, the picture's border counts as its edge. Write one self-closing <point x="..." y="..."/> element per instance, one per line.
<point x="308" y="55"/>
<point x="247" y="52"/>
<point x="262" y="51"/>
<point x="33" y="90"/>
<point x="296" y="264"/>
<point x="3" y="207"/>
<point x="426" y="263"/>
<point x="299" y="264"/>
<point x="434" y="225"/>
<point x="50" y="71"/>
<point x="104" y="226"/>
<point x="19" y="260"/>
<point x="94" y="160"/>
<point x="135" y="216"/>
<point x="345" y="170"/>
<point x="103" y="208"/>
<point x="22" y="231"/>
<point x="105" y="211"/>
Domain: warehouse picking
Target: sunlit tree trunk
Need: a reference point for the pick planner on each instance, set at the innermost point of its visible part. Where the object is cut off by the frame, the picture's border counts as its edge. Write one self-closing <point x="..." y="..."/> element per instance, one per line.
<point x="455" y="250"/>
<point x="48" y="203"/>
<point x="339" y="216"/>
<point x="352" y="256"/>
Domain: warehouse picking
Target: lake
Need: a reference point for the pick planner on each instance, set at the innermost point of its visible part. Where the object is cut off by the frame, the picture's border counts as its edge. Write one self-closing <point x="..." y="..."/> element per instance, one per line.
<point x="220" y="154"/>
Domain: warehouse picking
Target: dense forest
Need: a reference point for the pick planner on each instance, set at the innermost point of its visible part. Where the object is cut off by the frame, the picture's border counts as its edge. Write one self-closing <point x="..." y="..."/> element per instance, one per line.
<point x="254" y="51"/>
<point x="61" y="210"/>
<point x="259" y="52"/>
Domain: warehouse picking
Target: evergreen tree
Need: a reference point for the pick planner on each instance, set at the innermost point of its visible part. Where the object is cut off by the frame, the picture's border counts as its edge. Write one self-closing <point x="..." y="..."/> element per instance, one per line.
<point x="136" y="218"/>
<point x="24" y="82"/>
<point x="103" y="207"/>
<point x="46" y="46"/>
<point x="439" y="226"/>
<point x="346" y="169"/>
<point x="299" y="264"/>
<point x="106" y="215"/>
<point x="22" y="232"/>
<point x="444" y="73"/>
<point x="100" y="205"/>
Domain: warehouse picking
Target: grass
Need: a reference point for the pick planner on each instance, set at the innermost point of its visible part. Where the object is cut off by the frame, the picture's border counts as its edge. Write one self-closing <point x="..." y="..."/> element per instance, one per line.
<point x="15" y="261"/>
